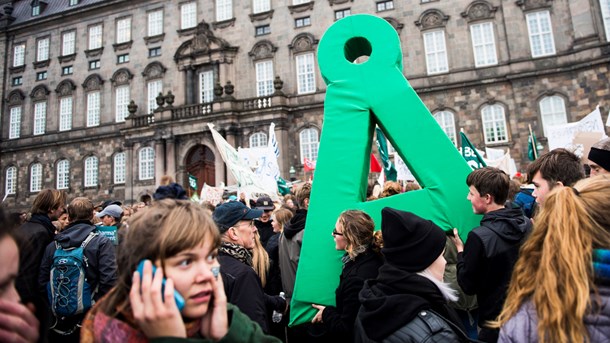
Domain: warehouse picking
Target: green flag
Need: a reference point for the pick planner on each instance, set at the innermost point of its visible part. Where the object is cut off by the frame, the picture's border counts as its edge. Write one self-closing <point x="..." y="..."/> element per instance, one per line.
<point x="470" y="153"/>
<point x="282" y="186"/>
<point x="532" y="147"/>
<point x="382" y="146"/>
<point x="193" y="181"/>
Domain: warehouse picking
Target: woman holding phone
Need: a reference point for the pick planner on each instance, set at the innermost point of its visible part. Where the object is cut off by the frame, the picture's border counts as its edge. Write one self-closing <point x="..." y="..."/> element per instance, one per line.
<point x="180" y="239"/>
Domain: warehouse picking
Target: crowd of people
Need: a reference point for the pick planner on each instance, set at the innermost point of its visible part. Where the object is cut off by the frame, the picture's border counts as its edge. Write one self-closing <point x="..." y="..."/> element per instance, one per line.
<point x="537" y="269"/>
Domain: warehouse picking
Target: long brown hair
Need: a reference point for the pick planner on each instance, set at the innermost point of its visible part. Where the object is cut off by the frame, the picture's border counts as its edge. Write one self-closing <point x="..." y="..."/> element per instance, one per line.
<point x="555" y="268"/>
<point x="158" y="232"/>
<point x="260" y="259"/>
<point x="359" y="232"/>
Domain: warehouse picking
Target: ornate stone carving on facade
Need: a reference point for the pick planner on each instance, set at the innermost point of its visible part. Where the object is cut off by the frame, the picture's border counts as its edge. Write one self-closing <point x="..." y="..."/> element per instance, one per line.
<point x="303" y="42"/>
<point x="262" y="50"/>
<point x="204" y="43"/>
<point x="278" y="84"/>
<point x="478" y="10"/>
<point x="42" y="64"/>
<point x="154" y="39"/>
<point x="15" y="98"/>
<point x="395" y="23"/>
<point x="65" y="88"/>
<point x="154" y="70"/>
<point x="66" y="58"/>
<point x="223" y="24"/>
<point x="39" y="93"/>
<point x="308" y="6"/>
<point x="338" y="2"/>
<point x="93" y="82"/>
<point x="528" y="5"/>
<point x="229" y="89"/>
<point x="261" y="16"/>
<point x="94" y="52"/>
<point x="122" y="46"/>
<point x="432" y="19"/>
<point x="218" y="90"/>
<point x="121" y="77"/>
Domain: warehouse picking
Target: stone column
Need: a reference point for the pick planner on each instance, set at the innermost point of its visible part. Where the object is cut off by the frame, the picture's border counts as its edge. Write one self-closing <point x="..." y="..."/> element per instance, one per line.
<point x="129" y="171"/>
<point x="159" y="160"/>
<point x="190" y="91"/>
<point x="170" y="156"/>
<point x="283" y="161"/>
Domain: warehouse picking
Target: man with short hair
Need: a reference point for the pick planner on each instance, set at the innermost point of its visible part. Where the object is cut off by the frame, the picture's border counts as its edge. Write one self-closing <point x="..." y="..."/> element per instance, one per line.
<point x="111" y="215"/>
<point x="599" y="157"/>
<point x="263" y="224"/>
<point x="558" y="167"/>
<point x="486" y="263"/>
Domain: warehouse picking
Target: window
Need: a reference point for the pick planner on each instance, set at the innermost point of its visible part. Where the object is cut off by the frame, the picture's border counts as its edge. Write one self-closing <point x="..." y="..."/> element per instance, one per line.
<point x="605" y="6"/>
<point x="119" y="167"/>
<point x="36" y="177"/>
<point x="68" y="43"/>
<point x="63" y="174"/>
<point x="40" y="117"/>
<point x="122" y="100"/>
<point x="65" y="113"/>
<point x="188" y="14"/>
<point x="93" y="109"/>
<point x="494" y="124"/>
<point x="309" y="144"/>
<point x="224" y="10"/>
<point x="436" y="54"/>
<point x="305" y="74"/>
<point x="541" y="34"/>
<point x="446" y="121"/>
<point x="41" y="76"/>
<point x="153" y="52"/>
<point x="11" y="180"/>
<point x="154" y="88"/>
<point x="483" y="44"/>
<point x="206" y="86"/>
<point x="123" y="30"/>
<point x="264" y="78"/>
<point x="67" y="70"/>
<point x="262" y="30"/>
<point x="124" y="58"/>
<point x="260" y="6"/>
<point x="146" y="158"/>
<point x="42" y="50"/>
<point x="19" y="55"/>
<point x="35" y="10"/>
<point x="73" y="2"/>
<point x="385" y="6"/>
<point x="94" y="64"/>
<point x="300" y="22"/>
<point x="91" y="164"/>
<point x="552" y="112"/>
<point x="258" y="140"/>
<point x="95" y="37"/>
<point x="155" y="23"/>
<point x="298" y="2"/>
<point x="340" y="14"/>
<point x="15" y="123"/>
<point x="17" y="81"/>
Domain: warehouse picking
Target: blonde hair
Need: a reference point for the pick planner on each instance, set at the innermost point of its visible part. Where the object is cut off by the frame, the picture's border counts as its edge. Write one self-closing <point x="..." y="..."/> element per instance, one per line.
<point x="282" y="217"/>
<point x="260" y="259"/>
<point x="390" y="188"/>
<point x="555" y="266"/>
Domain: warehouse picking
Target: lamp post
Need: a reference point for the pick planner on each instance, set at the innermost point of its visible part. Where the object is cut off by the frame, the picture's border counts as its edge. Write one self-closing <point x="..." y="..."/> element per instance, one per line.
<point x="292" y="172"/>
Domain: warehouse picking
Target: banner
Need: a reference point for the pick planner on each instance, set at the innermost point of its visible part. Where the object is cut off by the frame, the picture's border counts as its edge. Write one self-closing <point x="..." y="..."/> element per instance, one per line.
<point x="470" y="153"/>
<point x="402" y="171"/>
<point x="263" y="162"/>
<point x="375" y="166"/>
<point x="562" y="136"/>
<point x="532" y="147"/>
<point x="308" y="165"/>
<point x="213" y="195"/>
<point x="193" y="182"/>
<point x="382" y="146"/>
<point x="273" y="141"/>
<point x="110" y="232"/>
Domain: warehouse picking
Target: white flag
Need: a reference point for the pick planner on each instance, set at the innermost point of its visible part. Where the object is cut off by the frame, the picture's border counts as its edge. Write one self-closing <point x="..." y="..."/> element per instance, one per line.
<point x="273" y="141"/>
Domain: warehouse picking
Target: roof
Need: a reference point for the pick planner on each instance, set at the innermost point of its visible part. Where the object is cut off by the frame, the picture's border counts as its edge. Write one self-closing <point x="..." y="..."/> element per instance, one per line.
<point x="22" y="11"/>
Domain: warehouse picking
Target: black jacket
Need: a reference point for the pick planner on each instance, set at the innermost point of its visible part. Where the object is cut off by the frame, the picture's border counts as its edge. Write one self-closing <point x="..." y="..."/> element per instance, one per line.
<point x="265" y="231"/>
<point x="339" y="321"/>
<point x="485" y="266"/>
<point x="274" y="277"/>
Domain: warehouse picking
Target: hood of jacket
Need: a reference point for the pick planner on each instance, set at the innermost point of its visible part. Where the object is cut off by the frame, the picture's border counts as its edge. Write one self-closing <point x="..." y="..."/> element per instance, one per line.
<point x="45" y="221"/>
<point x="75" y="233"/>
<point x="508" y="223"/>
<point x="296" y="224"/>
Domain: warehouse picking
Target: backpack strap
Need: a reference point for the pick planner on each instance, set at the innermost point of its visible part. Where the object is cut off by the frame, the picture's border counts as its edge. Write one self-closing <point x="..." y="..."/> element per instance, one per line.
<point x="89" y="238"/>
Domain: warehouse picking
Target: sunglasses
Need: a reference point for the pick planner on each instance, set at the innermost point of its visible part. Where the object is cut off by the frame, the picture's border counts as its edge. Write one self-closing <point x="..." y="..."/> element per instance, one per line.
<point x="337" y="233"/>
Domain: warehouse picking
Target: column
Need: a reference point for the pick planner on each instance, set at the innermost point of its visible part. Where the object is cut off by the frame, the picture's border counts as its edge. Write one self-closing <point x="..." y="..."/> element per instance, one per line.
<point x="159" y="159"/>
<point x="190" y="99"/>
<point x="129" y="172"/>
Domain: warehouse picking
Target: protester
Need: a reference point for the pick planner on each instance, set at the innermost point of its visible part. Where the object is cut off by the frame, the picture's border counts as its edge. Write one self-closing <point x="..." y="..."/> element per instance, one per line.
<point x="486" y="262"/>
<point x="407" y="302"/>
<point x="390" y="188"/>
<point x="354" y="233"/>
<point x="560" y="288"/>
<point x="289" y="202"/>
<point x="264" y="223"/>
<point x="17" y="321"/>
<point x="111" y="215"/>
<point x="99" y="267"/>
<point x="558" y="167"/>
<point x="599" y="157"/>
<point x="170" y="191"/>
<point x="260" y="259"/>
<point x="61" y="222"/>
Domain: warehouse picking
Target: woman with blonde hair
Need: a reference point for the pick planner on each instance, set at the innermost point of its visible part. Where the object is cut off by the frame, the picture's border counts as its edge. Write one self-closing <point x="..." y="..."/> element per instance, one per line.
<point x="560" y="287"/>
<point x="260" y="259"/>
<point x="279" y="218"/>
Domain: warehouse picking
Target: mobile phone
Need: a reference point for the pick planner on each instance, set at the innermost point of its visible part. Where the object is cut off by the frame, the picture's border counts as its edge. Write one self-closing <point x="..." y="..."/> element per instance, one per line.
<point x="177" y="297"/>
<point x="215" y="271"/>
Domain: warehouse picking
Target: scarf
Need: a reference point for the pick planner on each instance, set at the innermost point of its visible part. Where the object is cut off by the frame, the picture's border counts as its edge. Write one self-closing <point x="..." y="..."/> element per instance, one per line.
<point x="236" y="251"/>
<point x="601" y="266"/>
<point x="45" y="221"/>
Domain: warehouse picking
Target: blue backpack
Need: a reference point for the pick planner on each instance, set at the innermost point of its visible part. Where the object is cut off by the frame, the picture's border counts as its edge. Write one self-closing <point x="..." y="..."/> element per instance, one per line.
<point x="68" y="290"/>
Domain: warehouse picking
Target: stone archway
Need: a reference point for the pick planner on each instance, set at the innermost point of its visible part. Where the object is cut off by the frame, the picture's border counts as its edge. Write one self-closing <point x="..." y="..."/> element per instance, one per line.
<point x="200" y="162"/>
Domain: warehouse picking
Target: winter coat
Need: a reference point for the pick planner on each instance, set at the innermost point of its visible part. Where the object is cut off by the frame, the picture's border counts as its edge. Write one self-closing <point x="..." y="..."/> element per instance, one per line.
<point x="274" y="276"/>
<point x="485" y="266"/>
<point x="291" y="241"/>
<point x="265" y="231"/>
<point x="523" y="326"/>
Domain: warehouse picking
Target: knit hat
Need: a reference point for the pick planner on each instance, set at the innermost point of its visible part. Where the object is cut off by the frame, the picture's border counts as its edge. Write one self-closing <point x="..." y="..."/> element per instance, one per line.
<point x="410" y="243"/>
<point x="601" y="157"/>
<point x="171" y="191"/>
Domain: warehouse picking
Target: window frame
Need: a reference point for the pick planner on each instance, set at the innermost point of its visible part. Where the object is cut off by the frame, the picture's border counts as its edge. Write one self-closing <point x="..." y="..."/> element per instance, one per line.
<point x="488" y="48"/>
<point x="261" y="6"/>
<point x="446" y="120"/>
<point x="36" y="177"/>
<point x="146" y="164"/>
<point x="224" y="10"/>
<point x="68" y="44"/>
<point x="65" y="113"/>
<point x="63" y="174"/>
<point x="95" y="39"/>
<point x="93" y="113"/>
<point x="123" y="30"/>
<point x="122" y="95"/>
<point x="10" y="183"/>
<point x="155" y="26"/>
<point x="264" y="78"/>
<point x="309" y="144"/>
<point x="43" y="46"/>
<point x="434" y="67"/>
<point x="19" y="54"/>
<point x="494" y="122"/>
<point x="15" y="122"/>
<point x="554" y="112"/>
<point x="116" y="168"/>
<point x="188" y="19"/>
<point x="545" y="14"/>
<point x="258" y="140"/>
<point x="91" y="171"/>
<point x="206" y="87"/>
<point x="40" y="118"/>
<point x="305" y="83"/>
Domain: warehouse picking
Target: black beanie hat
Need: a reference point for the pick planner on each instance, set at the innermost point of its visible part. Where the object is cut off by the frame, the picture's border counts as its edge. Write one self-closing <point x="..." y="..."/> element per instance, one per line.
<point x="410" y="243"/>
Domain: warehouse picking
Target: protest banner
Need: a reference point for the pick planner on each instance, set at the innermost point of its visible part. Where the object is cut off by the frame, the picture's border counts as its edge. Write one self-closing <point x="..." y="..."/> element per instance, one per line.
<point x="562" y="136"/>
<point x="110" y="232"/>
<point x="263" y="162"/>
<point x="213" y="195"/>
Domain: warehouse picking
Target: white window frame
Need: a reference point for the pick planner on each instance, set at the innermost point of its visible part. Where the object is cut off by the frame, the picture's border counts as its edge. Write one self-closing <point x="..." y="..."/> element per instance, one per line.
<point x="119" y="167"/>
<point x="123" y="30"/>
<point x="10" y="186"/>
<point x="153" y="87"/>
<point x="146" y="163"/>
<point x="15" y="122"/>
<point x="493" y="117"/>
<point x="436" y="52"/>
<point x="35" y="177"/>
<point x="42" y="49"/>
<point x="605" y="7"/>
<point x="95" y="33"/>
<point x="19" y="55"/>
<point x="122" y="95"/>
<point x="309" y="144"/>
<point x="385" y="5"/>
<point x="298" y="2"/>
<point x="188" y="15"/>
<point x="483" y="44"/>
<point x="540" y="31"/>
<point x="552" y="112"/>
<point x="264" y="78"/>
<point x="155" y="23"/>
<point x="93" y="108"/>
<point x="446" y="120"/>
<point x="68" y="43"/>
<point x="260" y="6"/>
<point x="40" y="117"/>
<point x="63" y="174"/>
<point x="91" y="171"/>
<point x="306" y="76"/>
<point x="258" y="140"/>
<point x="65" y="113"/>
<point x="224" y="10"/>
<point x="206" y="86"/>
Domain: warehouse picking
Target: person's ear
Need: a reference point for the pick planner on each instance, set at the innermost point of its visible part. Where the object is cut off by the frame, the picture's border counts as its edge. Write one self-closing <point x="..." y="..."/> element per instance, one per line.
<point x="232" y="233"/>
<point x="559" y="183"/>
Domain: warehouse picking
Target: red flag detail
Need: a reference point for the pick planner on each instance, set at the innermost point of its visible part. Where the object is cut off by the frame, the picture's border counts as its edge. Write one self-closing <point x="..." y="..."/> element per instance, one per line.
<point x="375" y="166"/>
<point x="308" y="165"/>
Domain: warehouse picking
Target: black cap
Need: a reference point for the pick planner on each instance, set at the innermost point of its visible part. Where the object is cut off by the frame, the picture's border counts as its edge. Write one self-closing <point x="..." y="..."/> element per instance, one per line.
<point x="265" y="204"/>
<point x="230" y="213"/>
<point x="111" y="202"/>
<point x="171" y="191"/>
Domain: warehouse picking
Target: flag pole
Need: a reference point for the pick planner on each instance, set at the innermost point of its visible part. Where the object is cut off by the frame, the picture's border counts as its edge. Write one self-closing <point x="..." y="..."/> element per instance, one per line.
<point x="535" y="148"/>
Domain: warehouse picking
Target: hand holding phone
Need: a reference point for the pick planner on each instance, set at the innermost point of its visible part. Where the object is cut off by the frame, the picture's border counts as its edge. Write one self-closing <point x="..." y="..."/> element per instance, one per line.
<point x="177" y="296"/>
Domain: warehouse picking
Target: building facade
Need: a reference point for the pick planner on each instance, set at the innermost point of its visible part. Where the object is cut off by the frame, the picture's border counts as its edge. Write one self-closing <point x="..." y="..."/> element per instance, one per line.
<point x="103" y="97"/>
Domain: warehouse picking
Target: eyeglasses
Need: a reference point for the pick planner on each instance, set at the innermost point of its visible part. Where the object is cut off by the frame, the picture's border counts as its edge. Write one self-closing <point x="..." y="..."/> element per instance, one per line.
<point x="337" y="233"/>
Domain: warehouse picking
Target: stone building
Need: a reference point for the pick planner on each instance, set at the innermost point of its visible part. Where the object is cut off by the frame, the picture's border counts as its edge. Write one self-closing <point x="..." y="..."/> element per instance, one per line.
<point x="72" y="67"/>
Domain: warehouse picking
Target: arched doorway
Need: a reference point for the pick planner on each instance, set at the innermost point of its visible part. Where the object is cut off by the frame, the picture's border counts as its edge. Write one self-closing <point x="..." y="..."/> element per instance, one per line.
<point x="200" y="163"/>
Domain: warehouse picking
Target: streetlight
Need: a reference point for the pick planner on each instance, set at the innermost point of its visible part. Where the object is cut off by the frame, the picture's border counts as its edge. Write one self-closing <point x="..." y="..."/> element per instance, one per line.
<point x="292" y="172"/>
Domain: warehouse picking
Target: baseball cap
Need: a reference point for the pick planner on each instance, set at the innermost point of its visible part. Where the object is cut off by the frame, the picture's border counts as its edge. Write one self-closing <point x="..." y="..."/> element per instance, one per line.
<point x="114" y="211"/>
<point x="230" y="213"/>
<point x="265" y="204"/>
